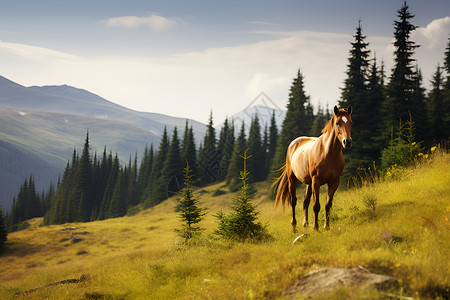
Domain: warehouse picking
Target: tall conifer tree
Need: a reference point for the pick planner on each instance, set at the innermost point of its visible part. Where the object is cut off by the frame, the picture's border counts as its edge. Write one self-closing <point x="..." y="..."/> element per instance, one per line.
<point x="401" y="86"/>
<point x="296" y="123"/>
<point x="240" y="146"/>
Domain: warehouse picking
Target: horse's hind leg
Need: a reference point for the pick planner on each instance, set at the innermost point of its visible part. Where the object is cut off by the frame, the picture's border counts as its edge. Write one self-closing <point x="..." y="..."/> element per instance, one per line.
<point x="293" y="195"/>
<point x="306" y="201"/>
<point x="332" y="187"/>
<point x="316" y="207"/>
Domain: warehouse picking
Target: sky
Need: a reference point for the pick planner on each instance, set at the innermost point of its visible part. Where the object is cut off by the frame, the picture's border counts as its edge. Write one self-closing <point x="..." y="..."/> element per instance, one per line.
<point x="188" y="58"/>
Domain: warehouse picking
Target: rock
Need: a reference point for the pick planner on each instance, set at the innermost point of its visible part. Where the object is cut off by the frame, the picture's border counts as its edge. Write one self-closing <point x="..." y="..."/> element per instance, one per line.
<point x="326" y="280"/>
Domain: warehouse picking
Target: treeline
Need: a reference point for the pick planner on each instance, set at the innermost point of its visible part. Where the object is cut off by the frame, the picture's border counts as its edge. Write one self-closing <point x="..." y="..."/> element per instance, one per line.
<point x="97" y="188"/>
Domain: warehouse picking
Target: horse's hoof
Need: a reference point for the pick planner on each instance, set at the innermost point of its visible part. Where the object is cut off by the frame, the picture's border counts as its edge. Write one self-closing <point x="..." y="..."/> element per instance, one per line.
<point x="305" y="224"/>
<point x="294" y="229"/>
<point x="326" y="227"/>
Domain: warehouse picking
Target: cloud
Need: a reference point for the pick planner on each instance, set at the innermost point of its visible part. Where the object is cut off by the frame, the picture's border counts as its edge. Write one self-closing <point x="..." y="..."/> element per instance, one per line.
<point x="154" y="22"/>
<point x="435" y="34"/>
<point x="35" y="53"/>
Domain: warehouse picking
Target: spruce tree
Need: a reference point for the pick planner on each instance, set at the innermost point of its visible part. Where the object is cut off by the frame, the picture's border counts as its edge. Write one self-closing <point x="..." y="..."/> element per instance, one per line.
<point x="168" y="184"/>
<point x="83" y="185"/>
<point x="272" y="143"/>
<point x="255" y="164"/>
<point x="296" y="122"/>
<point x="419" y="110"/>
<point x="208" y="159"/>
<point x="118" y="205"/>
<point x="446" y="108"/>
<point x="3" y="231"/>
<point x="234" y="167"/>
<point x="319" y="122"/>
<point x="242" y="223"/>
<point x="188" y="149"/>
<point x="152" y="189"/>
<point x="190" y="213"/>
<point x="226" y="144"/>
<point x="397" y="105"/>
<point x="437" y="107"/>
<point x="355" y="94"/>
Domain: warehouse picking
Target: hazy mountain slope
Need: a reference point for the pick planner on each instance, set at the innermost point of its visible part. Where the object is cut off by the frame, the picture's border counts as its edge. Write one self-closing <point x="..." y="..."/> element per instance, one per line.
<point x="16" y="166"/>
<point x="66" y="99"/>
<point x="51" y="138"/>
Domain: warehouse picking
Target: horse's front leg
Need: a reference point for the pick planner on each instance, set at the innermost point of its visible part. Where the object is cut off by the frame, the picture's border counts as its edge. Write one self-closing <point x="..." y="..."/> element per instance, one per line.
<point x="293" y="195"/>
<point x="316" y="207"/>
<point x="332" y="187"/>
<point x="306" y="201"/>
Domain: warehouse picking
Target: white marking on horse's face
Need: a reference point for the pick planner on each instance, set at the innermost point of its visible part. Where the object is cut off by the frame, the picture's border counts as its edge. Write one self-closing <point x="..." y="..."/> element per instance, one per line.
<point x="344" y="119"/>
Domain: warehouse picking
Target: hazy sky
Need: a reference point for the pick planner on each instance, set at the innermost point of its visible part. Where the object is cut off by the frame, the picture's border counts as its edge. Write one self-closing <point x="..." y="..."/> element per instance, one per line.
<point x="186" y="58"/>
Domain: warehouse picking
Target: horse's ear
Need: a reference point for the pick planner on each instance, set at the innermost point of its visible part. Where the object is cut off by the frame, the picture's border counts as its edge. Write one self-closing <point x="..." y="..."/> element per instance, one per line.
<point x="349" y="110"/>
<point x="336" y="110"/>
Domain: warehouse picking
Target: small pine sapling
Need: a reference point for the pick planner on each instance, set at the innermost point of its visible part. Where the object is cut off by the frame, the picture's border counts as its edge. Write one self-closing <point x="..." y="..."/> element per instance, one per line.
<point x="189" y="211"/>
<point x="241" y="224"/>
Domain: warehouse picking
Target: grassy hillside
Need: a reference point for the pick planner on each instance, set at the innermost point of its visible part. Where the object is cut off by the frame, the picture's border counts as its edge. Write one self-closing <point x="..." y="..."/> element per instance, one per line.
<point x="406" y="235"/>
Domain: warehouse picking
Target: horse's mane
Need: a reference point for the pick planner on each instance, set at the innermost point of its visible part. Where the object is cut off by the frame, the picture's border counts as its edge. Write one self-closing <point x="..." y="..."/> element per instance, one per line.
<point x="328" y="126"/>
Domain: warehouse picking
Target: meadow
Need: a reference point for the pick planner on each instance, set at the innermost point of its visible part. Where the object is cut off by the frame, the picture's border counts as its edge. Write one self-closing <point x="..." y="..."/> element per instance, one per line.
<point x="396" y="226"/>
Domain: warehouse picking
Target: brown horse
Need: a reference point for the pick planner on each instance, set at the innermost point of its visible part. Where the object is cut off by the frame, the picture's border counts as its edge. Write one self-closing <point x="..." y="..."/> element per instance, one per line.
<point x="315" y="161"/>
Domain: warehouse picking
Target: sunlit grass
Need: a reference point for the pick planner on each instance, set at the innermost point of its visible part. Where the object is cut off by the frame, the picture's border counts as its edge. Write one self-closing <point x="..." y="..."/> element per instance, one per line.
<point x="407" y="236"/>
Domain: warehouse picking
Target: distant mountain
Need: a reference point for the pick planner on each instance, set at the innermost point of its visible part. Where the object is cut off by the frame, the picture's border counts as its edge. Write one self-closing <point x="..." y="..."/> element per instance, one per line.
<point x="41" y="126"/>
<point x="264" y="115"/>
<point x="70" y="100"/>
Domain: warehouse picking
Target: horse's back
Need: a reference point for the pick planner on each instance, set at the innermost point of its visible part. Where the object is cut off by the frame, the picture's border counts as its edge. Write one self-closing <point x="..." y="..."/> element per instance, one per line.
<point x="299" y="158"/>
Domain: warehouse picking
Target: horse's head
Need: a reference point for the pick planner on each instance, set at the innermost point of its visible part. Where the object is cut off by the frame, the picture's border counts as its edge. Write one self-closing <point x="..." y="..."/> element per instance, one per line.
<point x="343" y="126"/>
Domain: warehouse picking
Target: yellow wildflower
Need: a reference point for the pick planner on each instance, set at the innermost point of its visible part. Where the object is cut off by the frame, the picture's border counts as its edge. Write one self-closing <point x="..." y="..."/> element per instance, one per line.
<point x="425" y="156"/>
<point x="432" y="149"/>
<point x="413" y="144"/>
<point x="420" y="154"/>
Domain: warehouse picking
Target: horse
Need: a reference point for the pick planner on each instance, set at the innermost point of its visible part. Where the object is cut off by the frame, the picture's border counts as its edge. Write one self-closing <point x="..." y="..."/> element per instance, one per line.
<point x="315" y="162"/>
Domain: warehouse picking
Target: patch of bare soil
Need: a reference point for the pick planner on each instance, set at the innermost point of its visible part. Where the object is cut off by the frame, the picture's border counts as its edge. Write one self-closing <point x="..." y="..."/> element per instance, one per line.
<point x="326" y="280"/>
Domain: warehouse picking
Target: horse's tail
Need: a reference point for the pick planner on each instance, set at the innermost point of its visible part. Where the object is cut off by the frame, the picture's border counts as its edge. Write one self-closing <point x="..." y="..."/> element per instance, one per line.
<point x="282" y="186"/>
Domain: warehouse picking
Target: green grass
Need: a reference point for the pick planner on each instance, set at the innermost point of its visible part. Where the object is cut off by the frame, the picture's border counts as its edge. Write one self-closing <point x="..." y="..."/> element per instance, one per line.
<point x="399" y="227"/>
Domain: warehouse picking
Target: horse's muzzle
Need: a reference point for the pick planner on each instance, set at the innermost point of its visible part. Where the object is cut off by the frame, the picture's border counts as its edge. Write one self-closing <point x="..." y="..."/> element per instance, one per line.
<point x="347" y="143"/>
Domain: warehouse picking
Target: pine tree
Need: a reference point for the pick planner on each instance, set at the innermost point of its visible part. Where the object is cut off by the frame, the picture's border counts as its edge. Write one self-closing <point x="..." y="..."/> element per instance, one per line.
<point x="152" y="190"/>
<point x="355" y="94"/>
<point x="355" y="86"/>
<point x="188" y="150"/>
<point x="83" y="185"/>
<point x="401" y="86"/>
<point x="145" y="170"/>
<point x="437" y="109"/>
<point x="296" y="122"/>
<point x="168" y="182"/>
<point x="241" y="224"/>
<point x="208" y="159"/>
<point x="272" y="143"/>
<point x="319" y="122"/>
<point x="118" y="205"/>
<point x="256" y="163"/>
<point x="3" y="231"/>
<point x="190" y="213"/>
<point x="234" y="167"/>
<point x="226" y="146"/>
<point x="419" y="109"/>
<point x="446" y="108"/>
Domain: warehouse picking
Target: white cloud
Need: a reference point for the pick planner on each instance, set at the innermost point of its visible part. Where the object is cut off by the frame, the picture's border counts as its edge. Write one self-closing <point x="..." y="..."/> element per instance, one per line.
<point x="434" y="35"/>
<point x="35" y="53"/>
<point x="154" y="22"/>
